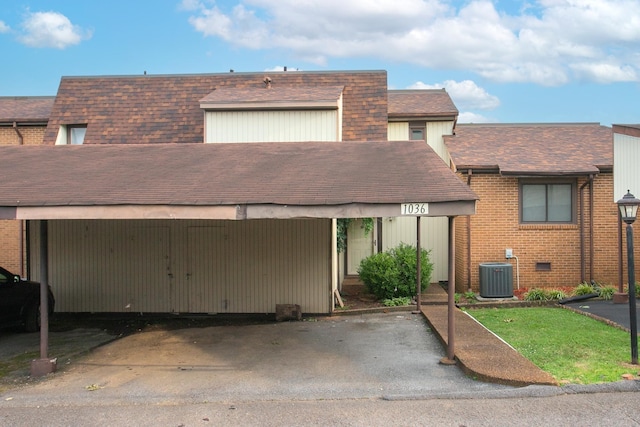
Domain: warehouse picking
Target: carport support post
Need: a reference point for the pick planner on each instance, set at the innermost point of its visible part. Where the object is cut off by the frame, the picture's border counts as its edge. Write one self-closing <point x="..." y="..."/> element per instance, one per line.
<point x="451" y="290"/>
<point x="44" y="365"/>
<point x="418" y="267"/>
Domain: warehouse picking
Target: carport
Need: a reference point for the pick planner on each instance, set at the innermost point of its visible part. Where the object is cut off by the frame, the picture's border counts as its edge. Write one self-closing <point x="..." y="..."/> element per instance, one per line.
<point x="282" y="181"/>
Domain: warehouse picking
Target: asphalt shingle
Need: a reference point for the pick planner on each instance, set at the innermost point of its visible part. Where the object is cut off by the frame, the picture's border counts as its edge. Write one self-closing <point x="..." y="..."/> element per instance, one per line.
<point x="532" y="149"/>
<point x="309" y="173"/>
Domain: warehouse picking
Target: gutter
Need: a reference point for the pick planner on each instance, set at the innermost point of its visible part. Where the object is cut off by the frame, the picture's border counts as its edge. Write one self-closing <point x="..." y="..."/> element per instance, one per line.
<point x="469" y="173"/>
<point x="20" y="137"/>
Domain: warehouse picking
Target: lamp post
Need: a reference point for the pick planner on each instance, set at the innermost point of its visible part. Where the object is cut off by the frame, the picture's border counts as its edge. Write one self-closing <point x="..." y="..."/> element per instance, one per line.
<point x="628" y="206"/>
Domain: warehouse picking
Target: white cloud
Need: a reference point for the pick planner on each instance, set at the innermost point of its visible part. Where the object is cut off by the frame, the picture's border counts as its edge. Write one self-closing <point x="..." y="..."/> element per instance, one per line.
<point x="465" y="94"/>
<point x="605" y="73"/>
<point x="190" y="5"/>
<point x="279" y="68"/>
<point x="4" y="28"/>
<point x="469" y="117"/>
<point x="51" y="29"/>
<point x="548" y="42"/>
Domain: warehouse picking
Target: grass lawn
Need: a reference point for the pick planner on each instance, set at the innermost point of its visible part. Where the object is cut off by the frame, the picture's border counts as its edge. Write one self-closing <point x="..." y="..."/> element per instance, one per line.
<point x="575" y="349"/>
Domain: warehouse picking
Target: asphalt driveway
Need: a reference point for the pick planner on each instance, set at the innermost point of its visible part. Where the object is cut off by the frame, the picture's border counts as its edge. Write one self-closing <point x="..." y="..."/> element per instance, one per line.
<point x="386" y="355"/>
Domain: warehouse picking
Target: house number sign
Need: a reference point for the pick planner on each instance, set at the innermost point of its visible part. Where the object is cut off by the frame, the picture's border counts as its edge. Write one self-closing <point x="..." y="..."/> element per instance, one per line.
<point x="414" y="209"/>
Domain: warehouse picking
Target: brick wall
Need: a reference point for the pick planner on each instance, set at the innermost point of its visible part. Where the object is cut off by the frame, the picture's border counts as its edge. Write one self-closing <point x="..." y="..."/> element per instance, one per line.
<point x="495" y="227"/>
<point x="10" y="231"/>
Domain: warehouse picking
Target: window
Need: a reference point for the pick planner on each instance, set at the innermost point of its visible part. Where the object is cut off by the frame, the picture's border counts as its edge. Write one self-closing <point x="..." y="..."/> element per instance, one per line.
<point x="75" y="134"/>
<point x="547" y="202"/>
<point x="416" y="131"/>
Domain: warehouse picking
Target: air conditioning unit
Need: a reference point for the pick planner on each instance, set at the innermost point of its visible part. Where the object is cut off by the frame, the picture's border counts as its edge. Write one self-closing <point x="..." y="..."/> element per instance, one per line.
<point x="496" y="280"/>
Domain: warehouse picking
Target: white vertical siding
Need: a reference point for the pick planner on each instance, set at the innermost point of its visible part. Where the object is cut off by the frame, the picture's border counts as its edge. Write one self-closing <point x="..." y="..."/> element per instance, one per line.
<point x="113" y="266"/>
<point x="434" y="236"/>
<point x="272" y="126"/>
<point x="626" y="157"/>
<point x="359" y="245"/>
<point x="398" y="131"/>
<point x="435" y="131"/>
<point x="189" y="266"/>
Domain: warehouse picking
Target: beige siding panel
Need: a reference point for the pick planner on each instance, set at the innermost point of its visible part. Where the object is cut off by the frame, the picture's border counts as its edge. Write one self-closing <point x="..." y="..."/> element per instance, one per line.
<point x="435" y="131"/>
<point x="250" y="266"/>
<point x="188" y="266"/>
<point x="33" y="228"/>
<point x="398" y="131"/>
<point x="272" y="126"/>
<point x="112" y="266"/>
<point x="204" y="282"/>
<point x="626" y="157"/>
<point x="434" y="237"/>
<point x="359" y="245"/>
<point x="278" y="262"/>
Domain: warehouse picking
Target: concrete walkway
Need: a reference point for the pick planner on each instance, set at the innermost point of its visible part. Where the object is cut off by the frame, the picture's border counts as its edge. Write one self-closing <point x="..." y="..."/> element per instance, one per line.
<point x="479" y="352"/>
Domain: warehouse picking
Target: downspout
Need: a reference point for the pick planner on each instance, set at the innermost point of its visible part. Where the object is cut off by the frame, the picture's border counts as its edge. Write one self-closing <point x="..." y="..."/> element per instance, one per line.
<point x="469" y="173"/>
<point x="591" y="222"/>
<point x="582" y="237"/>
<point x="21" y="222"/>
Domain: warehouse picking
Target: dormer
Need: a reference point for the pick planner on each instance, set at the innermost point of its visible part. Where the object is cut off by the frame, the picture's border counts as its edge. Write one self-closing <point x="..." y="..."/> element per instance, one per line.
<point x="273" y="113"/>
<point x="423" y="114"/>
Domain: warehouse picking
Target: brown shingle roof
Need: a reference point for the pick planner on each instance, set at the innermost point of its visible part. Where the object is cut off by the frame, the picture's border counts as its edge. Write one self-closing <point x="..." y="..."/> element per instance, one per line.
<point x="533" y="149"/>
<point x="629" y="130"/>
<point x="25" y="108"/>
<point x="420" y="103"/>
<point x="166" y="109"/>
<point x="274" y="94"/>
<point x="314" y="173"/>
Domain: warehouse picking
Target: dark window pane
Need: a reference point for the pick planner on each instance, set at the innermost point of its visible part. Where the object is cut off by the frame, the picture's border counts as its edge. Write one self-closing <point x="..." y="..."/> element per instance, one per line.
<point x="417" y="134"/>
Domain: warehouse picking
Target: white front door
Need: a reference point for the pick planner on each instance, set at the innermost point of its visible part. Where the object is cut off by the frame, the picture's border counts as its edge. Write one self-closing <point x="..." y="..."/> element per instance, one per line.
<point x="359" y="246"/>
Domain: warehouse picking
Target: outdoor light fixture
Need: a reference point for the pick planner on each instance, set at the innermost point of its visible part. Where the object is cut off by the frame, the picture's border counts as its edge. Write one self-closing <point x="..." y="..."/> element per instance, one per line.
<point x="628" y="206"/>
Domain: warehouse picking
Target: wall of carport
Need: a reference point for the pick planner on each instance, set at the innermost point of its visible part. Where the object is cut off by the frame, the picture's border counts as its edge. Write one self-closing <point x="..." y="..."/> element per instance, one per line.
<point x="188" y="266"/>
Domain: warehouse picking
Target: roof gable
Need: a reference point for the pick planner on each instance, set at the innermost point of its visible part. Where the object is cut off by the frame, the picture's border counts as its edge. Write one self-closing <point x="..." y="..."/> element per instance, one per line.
<point x="629" y="130"/>
<point x="166" y="109"/>
<point x="421" y="104"/>
<point x="532" y="149"/>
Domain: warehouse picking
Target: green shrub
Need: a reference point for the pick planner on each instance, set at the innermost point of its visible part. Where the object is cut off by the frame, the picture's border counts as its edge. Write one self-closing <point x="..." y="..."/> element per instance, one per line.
<point x="536" y="294"/>
<point x="456" y="298"/>
<point x="606" y="292"/>
<point x="556" y="294"/>
<point x="395" y="302"/>
<point x="626" y="289"/>
<point x="471" y="297"/>
<point x="584" y="289"/>
<point x="392" y="274"/>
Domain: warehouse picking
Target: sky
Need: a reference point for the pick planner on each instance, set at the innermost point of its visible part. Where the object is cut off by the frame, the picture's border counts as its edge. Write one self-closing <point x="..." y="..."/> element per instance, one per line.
<point x="502" y="61"/>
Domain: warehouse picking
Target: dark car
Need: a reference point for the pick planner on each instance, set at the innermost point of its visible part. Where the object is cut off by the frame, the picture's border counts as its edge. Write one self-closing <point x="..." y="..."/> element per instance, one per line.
<point x="20" y="302"/>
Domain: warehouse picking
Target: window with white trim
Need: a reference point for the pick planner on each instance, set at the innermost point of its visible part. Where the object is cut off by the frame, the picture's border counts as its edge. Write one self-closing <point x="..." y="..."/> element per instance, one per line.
<point x="75" y="134"/>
